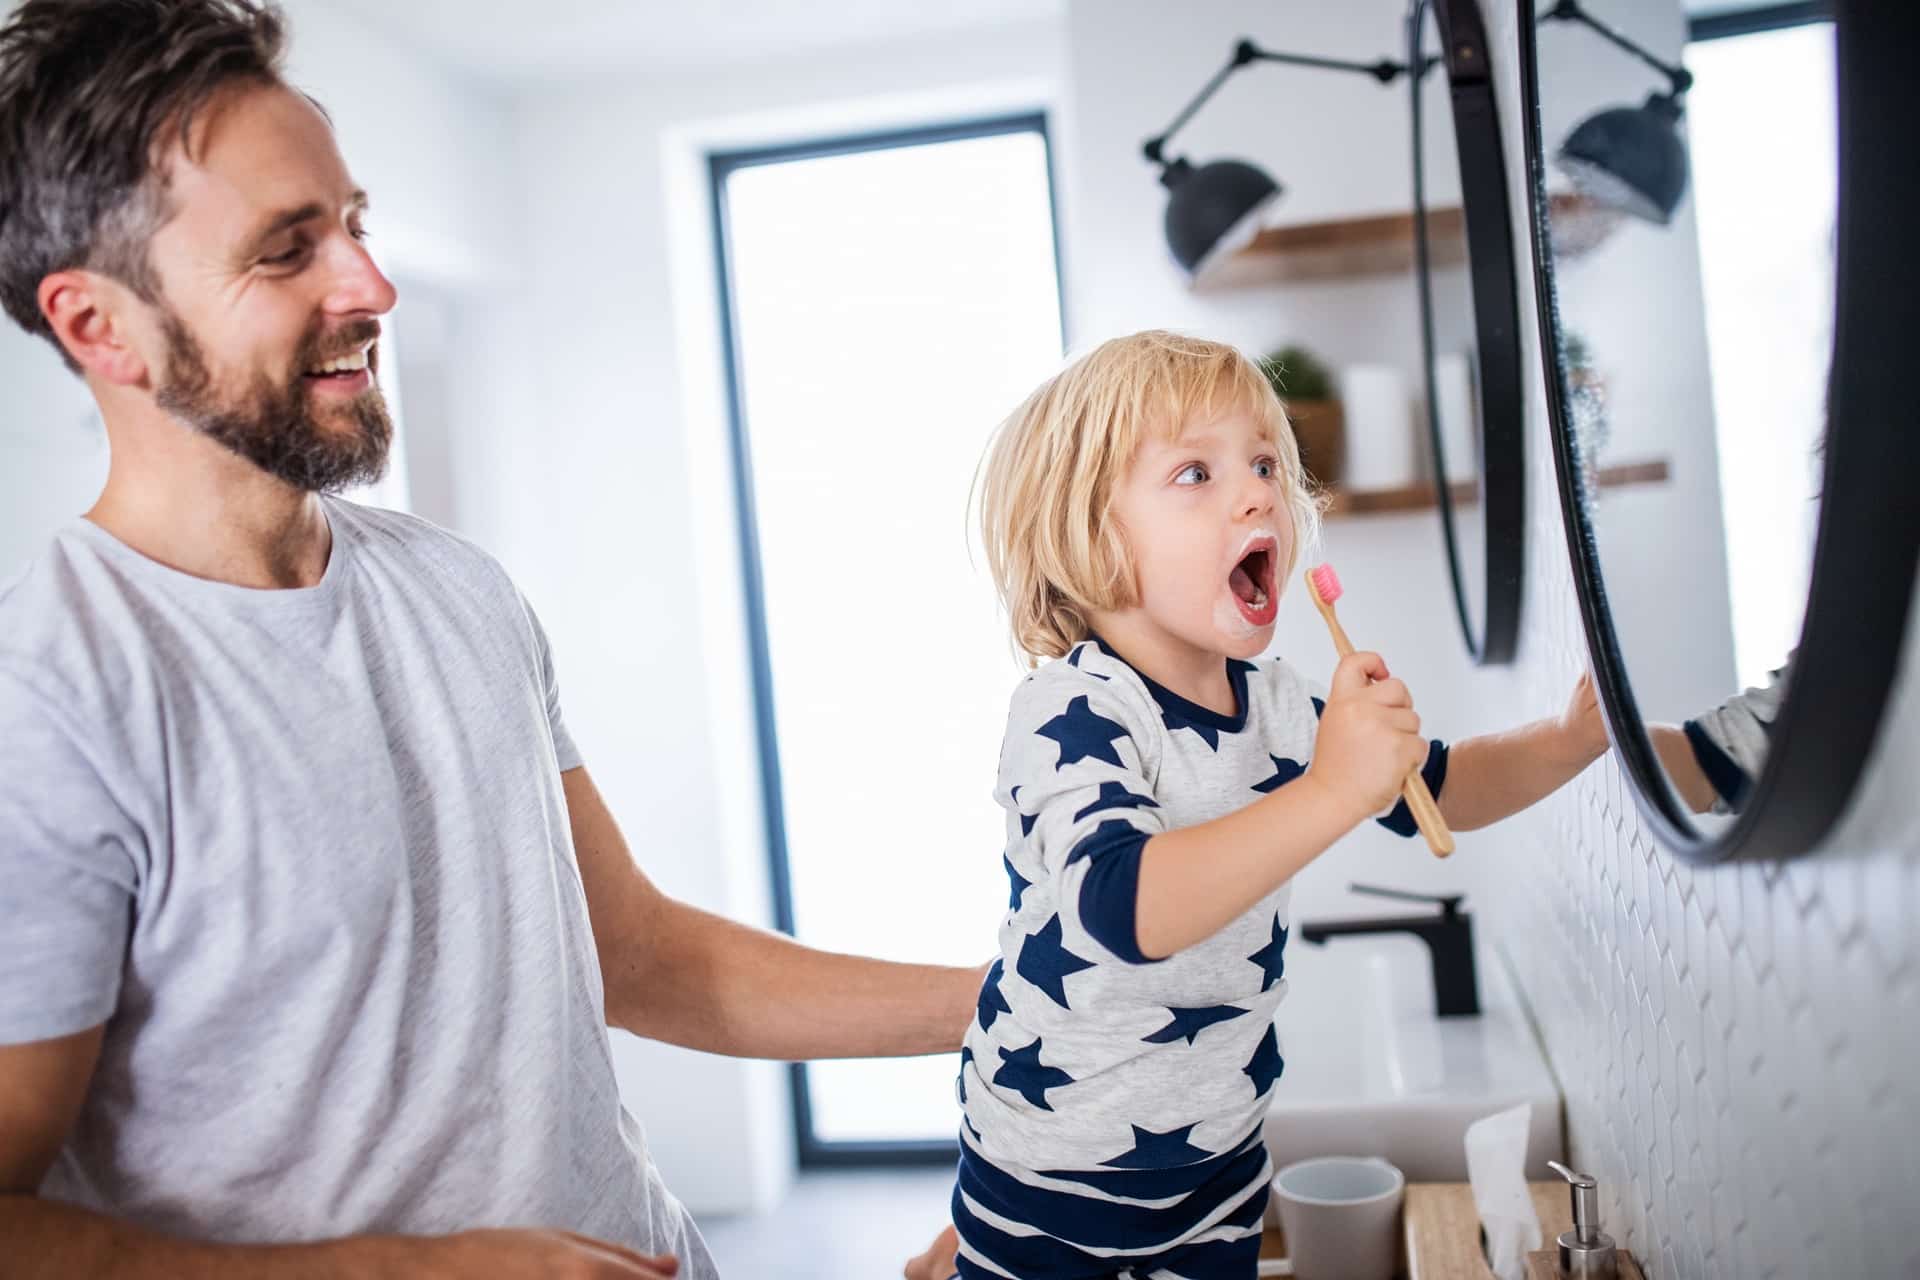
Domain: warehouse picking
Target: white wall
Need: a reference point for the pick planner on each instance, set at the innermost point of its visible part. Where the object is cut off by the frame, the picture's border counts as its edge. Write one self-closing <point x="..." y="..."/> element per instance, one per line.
<point x="1340" y="144"/>
<point x="445" y="211"/>
<point x="620" y="521"/>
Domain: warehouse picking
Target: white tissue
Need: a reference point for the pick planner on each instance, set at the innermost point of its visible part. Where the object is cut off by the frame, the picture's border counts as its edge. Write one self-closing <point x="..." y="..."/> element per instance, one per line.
<point x="1496" y="1166"/>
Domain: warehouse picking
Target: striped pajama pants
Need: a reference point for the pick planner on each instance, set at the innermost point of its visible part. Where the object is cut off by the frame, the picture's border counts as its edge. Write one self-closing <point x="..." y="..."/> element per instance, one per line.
<point x="1194" y="1222"/>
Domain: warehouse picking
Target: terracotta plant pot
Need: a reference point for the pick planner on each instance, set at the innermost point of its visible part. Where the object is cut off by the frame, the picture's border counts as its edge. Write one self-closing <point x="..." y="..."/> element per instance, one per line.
<point x="1320" y="427"/>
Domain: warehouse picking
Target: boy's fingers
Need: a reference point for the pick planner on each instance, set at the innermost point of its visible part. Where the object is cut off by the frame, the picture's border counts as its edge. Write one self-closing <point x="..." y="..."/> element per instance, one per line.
<point x="1390" y="693"/>
<point x="1356" y="672"/>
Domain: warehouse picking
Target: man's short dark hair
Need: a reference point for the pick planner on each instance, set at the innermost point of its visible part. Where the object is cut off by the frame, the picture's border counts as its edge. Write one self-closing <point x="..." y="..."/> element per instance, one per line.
<point x="86" y="89"/>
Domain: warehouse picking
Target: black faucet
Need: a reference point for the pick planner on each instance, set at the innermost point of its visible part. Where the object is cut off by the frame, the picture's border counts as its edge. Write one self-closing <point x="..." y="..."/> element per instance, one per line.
<point x="1449" y="936"/>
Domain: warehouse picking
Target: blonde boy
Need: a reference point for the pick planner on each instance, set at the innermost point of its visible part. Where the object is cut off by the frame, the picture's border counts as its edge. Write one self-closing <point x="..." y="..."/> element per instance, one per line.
<point x="1142" y="512"/>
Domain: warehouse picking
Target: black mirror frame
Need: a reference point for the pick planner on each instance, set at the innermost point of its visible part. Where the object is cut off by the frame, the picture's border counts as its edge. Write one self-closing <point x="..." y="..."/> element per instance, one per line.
<point x="1493" y="639"/>
<point x="1868" y="543"/>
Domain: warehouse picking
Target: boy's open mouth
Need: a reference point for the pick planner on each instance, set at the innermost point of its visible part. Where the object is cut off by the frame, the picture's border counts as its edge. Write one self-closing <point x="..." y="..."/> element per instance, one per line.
<point x="1252" y="584"/>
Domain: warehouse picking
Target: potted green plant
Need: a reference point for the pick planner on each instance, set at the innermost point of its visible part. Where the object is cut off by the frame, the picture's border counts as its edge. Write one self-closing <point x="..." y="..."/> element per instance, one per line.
<point x="1305" y="386"/>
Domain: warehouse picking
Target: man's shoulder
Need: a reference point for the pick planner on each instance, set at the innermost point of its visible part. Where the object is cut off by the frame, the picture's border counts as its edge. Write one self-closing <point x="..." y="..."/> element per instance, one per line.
<point x="421" y="550"/>
<point x="51" y="645"/>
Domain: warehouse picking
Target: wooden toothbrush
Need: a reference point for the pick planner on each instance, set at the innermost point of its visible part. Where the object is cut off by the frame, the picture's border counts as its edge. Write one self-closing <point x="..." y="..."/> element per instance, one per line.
<point x="1323" y="584"/>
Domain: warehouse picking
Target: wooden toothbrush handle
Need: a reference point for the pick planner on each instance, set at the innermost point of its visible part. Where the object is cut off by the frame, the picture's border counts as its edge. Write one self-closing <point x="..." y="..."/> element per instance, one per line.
<point x="1419" y="797"/>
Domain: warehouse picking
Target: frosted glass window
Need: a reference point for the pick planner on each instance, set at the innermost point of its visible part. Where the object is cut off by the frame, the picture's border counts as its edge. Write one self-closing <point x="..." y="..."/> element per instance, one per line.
<point x="892" y="306"/>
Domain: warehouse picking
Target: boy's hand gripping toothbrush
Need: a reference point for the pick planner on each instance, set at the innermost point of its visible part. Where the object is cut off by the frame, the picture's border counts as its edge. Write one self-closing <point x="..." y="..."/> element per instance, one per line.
<point x="1323" y="584"/>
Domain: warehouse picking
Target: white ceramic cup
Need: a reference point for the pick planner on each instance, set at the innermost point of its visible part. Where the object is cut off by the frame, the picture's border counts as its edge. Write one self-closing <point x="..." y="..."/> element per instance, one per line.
<point x="1342" y="1217"/>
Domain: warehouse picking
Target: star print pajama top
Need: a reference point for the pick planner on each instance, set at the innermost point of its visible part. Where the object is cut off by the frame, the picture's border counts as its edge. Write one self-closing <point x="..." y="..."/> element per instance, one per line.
<point x="1111" y="1104"/>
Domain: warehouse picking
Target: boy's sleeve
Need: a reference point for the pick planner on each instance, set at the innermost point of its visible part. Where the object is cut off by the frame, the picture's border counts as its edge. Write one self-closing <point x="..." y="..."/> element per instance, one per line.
<point x="68" y="877"/>
<point x="1073" y="768"/>
<point x="1730" y="743"/>
<point x="1398" y="819"/>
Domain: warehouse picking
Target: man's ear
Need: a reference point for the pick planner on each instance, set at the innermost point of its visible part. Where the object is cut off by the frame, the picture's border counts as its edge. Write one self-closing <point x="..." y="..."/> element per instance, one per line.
<point x="90" y="315"/>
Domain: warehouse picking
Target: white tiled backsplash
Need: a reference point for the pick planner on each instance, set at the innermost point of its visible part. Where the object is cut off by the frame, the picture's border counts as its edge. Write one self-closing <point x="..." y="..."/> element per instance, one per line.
<point x="1739" y="1045"/>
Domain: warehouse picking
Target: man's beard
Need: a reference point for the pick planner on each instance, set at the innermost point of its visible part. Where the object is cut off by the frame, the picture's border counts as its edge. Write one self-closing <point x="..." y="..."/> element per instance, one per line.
<point x="273" y="426"/>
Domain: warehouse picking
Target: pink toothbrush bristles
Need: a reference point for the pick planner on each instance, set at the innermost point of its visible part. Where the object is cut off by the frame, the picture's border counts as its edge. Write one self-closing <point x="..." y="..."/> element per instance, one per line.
<point x="1326" y="582"/>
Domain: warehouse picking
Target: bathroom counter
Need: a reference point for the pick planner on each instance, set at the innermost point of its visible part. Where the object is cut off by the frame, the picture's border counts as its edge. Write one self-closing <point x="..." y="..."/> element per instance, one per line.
<point x="1441" y="1232"/>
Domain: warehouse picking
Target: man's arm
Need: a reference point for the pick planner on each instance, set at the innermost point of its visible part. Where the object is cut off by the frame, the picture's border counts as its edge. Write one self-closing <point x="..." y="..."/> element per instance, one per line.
<point x="42" y="1086"/>
<point x="676" y="973"/>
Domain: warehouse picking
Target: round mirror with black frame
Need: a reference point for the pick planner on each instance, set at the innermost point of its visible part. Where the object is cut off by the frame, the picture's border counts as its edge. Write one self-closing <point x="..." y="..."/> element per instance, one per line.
<point x="1726" y="282"/>
<point x="1469" y="331"/>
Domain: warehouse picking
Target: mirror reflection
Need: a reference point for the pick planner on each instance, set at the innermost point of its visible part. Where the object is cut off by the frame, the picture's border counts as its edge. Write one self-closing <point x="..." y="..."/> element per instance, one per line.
<point x="1452" y="370"/>
<point x="1691" y="193"/>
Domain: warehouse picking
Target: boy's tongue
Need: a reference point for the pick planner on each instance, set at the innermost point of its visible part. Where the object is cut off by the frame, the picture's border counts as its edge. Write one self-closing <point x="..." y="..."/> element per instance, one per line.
<point x="1242" y="584"/>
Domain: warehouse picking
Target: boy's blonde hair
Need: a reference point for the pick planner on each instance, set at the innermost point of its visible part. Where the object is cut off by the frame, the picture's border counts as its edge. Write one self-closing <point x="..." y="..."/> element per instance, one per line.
<point x="1048" y="479"/>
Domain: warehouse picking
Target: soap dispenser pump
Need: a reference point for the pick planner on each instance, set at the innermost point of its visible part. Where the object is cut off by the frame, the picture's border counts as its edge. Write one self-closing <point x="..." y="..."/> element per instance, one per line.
<point x="1586" y="1252"/>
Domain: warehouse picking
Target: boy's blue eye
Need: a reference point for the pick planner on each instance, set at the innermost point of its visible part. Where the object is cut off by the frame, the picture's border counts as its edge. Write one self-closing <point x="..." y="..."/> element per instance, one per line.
<point x="1194" y="469"/>
<point x="1266" y="469"/>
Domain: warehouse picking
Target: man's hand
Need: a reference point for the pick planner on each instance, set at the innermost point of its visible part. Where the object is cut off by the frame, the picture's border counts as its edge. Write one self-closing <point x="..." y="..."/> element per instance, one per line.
<point x="1369" y="737"/>
<point x="937" y="1263"/>
<point x="533" y="1255"/>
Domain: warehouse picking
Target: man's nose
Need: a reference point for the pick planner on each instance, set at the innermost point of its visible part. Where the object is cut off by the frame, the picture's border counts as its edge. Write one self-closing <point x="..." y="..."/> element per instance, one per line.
<point x="359" y="287"/>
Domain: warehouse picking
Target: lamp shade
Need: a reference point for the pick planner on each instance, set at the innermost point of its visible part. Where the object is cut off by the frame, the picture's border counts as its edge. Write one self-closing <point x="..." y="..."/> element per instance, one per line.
<point x="1630" y="158"/>
<point x="1214" y="209"/>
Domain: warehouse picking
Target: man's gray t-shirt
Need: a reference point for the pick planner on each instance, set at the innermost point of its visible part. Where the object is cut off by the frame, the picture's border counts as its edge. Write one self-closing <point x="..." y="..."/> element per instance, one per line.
<point x="306" y="855"/>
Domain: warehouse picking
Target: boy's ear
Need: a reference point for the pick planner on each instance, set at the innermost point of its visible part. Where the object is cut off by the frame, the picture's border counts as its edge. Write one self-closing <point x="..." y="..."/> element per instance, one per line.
<point x="89" y="316"/>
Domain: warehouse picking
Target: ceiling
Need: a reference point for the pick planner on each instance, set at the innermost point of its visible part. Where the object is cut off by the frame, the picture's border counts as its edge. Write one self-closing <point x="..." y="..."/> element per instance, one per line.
<point x="502" y="40"/>
<point x="496" y="40"/>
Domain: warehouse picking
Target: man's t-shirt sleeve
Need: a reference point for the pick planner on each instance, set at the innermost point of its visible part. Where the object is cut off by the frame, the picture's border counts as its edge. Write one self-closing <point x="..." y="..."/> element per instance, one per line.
<point x="563" y="748"/>
<point x="69" y="875"/>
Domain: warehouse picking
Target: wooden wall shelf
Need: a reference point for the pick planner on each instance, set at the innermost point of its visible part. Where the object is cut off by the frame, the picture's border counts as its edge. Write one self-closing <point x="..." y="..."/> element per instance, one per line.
<point x="1419" y="497"/>
<point x="1382" y="244"/>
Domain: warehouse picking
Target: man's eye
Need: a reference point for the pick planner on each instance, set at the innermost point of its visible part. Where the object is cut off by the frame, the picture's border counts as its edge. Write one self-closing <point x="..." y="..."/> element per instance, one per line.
<point x="1194" y="470"/>
<point x="286" y="259"/>
<point x="360" y="233"/>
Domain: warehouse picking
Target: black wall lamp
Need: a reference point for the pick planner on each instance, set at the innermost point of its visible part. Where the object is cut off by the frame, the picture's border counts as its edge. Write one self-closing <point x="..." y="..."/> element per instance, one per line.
<point x="1215" y="208"/>
<point x="1629" y="158"/>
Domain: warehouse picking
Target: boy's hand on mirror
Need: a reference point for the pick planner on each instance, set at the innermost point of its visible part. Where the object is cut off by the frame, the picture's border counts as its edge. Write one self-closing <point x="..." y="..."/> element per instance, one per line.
<point x="1581" y="724"/>
<point x="1369" y="738"/>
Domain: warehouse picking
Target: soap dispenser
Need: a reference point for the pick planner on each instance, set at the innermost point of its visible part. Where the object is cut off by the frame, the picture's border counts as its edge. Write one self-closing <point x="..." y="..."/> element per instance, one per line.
<point x="1586" y="1252"/>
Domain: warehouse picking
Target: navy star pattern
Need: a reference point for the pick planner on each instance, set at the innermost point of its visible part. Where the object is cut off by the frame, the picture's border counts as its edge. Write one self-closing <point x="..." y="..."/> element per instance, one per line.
<point x="1284" y="771"/>
<point x="1029" y="1077"/>
<point x="1073" y="660"/>
<point x="1026" y="819"/>
<point x="1205" y="732"/>
<point x="960" y="1081"/>
<point x="1266" y="1064"/>
<point x="1159" y="1150"/>
<point x="1272" y="958"/>
<point x="1018" y="883"/>
<point x="1104" y="837"/>
<point x="1083" y="734"/>
<point x="1319" y="706"/>
<point x="993" y="1001"/>
<point x="1187" y="1024"/>
<point x="1114" y="795"/>
<point x="1047" y="964"/>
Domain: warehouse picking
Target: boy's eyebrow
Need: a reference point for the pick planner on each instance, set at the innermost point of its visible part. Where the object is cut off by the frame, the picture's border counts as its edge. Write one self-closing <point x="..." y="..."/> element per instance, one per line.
<point x="356" y="203"/>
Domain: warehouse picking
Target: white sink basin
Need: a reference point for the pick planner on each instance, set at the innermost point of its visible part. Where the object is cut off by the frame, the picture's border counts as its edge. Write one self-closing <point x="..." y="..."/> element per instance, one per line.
<point x="1370" y="1071"/>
